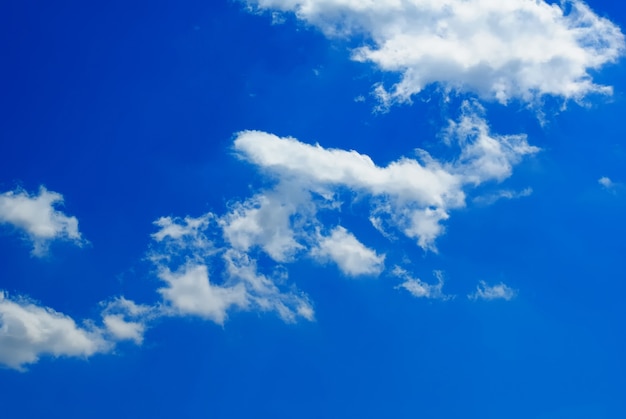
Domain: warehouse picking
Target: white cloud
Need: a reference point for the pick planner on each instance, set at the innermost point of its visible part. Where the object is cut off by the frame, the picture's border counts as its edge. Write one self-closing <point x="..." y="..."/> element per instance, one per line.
<point x="123" y="329"/>
<point x="29" y="331"/>
<point x="500" y="50"/>
<point x="189" y="291"/>
<point x="264" y="292"/>
<point x="351" y="256"/>
<point x="421" y="289"/>
<point x="483" y="156"/>
<point x="266" y="220"/>
<point x="38" y="217"/>
<point x="413" y="195"/>
<point x="184" y="269"/>
<point x="606" y="182"/>
<point x="496" y="292"/>
<point x="126" y="320"/>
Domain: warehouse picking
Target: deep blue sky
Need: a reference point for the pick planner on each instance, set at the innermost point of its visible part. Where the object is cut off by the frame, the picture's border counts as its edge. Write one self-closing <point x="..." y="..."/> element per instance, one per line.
<point x="130" y="111"/>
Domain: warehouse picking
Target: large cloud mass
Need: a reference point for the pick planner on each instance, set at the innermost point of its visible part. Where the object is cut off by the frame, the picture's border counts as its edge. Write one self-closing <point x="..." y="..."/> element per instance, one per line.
<point x="501" y="50"/>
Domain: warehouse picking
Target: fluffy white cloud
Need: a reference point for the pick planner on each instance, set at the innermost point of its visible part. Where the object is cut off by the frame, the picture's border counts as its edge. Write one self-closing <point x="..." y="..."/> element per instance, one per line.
<point x="29" y="331"/>
<point x="496" y="292"/>
<point x="38" y="217"/>
<point x="266" y="220"/>
<point x="421" y="289"/>
<point x="189" y="290"/>
<point x="502" y="50"/>
<point x="351" y="256"/>
<point x="413" y="195"/>
<point x="126" y="320"/>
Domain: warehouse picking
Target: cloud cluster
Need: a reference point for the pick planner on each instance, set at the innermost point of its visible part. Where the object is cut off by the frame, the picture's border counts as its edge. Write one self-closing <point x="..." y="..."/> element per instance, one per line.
<point x="212" y="265"/>
<point x="183" y="260"/>
<point x="38" y="217"/>
<point x="500" y="50"/>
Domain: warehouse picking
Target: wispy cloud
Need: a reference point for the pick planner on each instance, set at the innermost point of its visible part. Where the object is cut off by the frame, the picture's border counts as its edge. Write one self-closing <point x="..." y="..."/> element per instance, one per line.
<point x="500" y="50"/>
<point x="606" y="182"/>
<point x="491" y="198"/>
<point x="421" y="289"/>
<point x="37" y="216"/>
<point x="492" y="292"/>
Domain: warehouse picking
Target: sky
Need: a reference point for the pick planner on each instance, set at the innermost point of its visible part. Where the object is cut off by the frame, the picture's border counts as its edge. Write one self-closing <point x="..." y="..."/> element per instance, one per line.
<point x="313" y="208"/>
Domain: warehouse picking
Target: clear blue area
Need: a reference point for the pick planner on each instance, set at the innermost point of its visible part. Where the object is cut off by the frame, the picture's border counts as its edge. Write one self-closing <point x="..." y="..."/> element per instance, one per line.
<point x="129" y="110"/>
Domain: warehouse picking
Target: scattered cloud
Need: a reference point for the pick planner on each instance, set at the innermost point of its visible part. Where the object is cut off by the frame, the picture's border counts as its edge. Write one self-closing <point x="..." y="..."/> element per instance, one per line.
<point x="496" y="292"/>
<point x="421" y="289"/>
<point x="38" y="217"/>
<point x="351" y="256"/>
<point x="209" y="265"/>
<point x="183" y="264"/>
<point x="500" y="50"/>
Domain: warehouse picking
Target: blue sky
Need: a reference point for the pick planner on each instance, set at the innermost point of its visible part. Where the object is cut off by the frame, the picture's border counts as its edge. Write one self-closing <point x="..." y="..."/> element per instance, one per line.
<point x="281" y="208"/>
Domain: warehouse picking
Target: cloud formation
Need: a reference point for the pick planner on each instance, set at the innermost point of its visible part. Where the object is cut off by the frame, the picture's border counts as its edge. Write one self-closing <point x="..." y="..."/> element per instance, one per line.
<point x="29" y="331"/>
<point x="494" y="292"/>
<point x="38" y="217"/>
<point x="500" y="50"/>
<point x="184" y="253"/>
<point x="412" y="195"/>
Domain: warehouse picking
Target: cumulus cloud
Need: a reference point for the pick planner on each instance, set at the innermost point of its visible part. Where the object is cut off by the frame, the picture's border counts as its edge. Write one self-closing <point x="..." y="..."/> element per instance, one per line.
<point x="189" y="291"/>
<point x="29" y="331"/>
<point x="412" y="195"/>
<point x="266" y="220"/>
<point x="351" y="256"/>
<point x="495" y="292"/>
<point x="124" y="319"/>
<point x="38" y="217"/>
<point x="421" y="289"/>
<point x="183" y="265"/>
<point x="500" y="50"/>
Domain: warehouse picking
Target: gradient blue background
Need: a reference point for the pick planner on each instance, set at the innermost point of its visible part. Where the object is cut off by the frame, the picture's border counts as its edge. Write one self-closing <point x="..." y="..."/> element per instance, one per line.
<point x="128" y="110"/>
